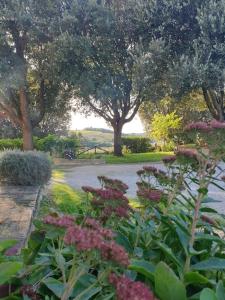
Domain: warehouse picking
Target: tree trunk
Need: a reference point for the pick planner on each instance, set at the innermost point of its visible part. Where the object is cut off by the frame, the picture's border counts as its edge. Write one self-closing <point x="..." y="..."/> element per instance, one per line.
<point x="215" y="103"/>
<point x="118" y="140"/>
<point x="26" y="122"/>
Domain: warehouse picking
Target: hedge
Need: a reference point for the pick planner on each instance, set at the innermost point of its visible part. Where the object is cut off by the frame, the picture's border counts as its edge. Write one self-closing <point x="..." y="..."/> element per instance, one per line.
<point x="50" y="143"/>
<point x="137" y="144"/>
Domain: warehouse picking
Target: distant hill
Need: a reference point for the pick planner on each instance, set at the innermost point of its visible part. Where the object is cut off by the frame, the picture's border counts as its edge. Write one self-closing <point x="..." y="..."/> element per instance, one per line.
<point x="98" y="136"/>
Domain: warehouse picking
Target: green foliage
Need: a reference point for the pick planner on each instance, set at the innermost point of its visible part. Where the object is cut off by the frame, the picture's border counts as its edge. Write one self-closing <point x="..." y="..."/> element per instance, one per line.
<point x="190" y="107"/>
<point x="137" y="144"/>
<point x="163" y="125"/>
<point x="11" y="144"/>
<point x="24" y="168"/>
<point x="56" y="145"/>
<point x="51" y="143"/>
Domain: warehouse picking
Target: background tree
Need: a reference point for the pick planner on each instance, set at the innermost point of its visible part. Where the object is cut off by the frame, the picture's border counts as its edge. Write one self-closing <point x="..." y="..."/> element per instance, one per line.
<point x="112" y="79"/>
<point x="162" y="125"/>
<point x="191" y="107"/>
<point x="29" y="87"/>
<point x="196" y="38"/>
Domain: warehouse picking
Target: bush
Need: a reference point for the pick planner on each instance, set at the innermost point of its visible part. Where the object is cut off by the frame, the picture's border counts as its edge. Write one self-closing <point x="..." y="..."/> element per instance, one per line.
<point x="56" y="145"/>
<point x="25" y="168"/>
<point x="137" y="144"/>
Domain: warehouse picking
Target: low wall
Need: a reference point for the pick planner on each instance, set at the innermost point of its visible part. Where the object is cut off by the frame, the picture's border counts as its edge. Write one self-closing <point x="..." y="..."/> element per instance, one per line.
<point x="18" y="206"/>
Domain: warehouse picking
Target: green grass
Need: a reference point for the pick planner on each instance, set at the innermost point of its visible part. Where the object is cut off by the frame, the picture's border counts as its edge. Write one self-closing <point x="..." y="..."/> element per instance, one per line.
<point x="136" y="158"/>
<point x="69" y="200"/>
<point x="129" y="157"/>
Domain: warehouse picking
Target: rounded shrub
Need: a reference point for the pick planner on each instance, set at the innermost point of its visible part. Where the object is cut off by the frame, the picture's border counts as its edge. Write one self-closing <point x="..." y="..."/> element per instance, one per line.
<point x="30" y="168"/>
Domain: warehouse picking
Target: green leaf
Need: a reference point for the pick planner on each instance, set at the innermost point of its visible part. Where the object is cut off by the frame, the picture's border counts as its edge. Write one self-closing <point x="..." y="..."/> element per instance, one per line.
<point x="210" y="200"/>
<point x="214" y="263"/>
<point x="55" y="286"/>
<point x="167" y="284"/>
<point x="4" y="245"/>
<point x="168" y="251"/>
<point x="195" y="278"/>
<point x="208" y="294"/>
<point x="122" y="240"/>
<point x="143" y="267"/>
<point x="8" y="270"/>
<point x="88" y="293"/>
<point x="209" y="237"/>
<point x="220" y="291"/>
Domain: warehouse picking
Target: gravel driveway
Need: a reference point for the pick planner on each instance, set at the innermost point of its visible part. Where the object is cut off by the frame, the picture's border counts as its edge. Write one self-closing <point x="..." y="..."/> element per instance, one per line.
<point x="87" y="175"/>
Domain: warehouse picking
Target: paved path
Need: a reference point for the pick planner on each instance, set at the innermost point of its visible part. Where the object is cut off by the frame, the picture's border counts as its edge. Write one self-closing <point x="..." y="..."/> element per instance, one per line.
<point x="87" y="175"/>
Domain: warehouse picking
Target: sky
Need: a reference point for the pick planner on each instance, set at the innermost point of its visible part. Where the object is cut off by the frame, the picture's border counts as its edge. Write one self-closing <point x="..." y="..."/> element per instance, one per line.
<point x="80" y="122"/>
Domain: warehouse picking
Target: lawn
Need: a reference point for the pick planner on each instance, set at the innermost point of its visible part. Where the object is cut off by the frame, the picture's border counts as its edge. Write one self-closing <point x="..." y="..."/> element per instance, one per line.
<point x="128" y="158"/>
<point x="136" y="158"/>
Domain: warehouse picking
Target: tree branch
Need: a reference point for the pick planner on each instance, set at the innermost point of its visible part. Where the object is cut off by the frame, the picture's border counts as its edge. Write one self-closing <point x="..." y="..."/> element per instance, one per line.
<point x="99" y="111"/>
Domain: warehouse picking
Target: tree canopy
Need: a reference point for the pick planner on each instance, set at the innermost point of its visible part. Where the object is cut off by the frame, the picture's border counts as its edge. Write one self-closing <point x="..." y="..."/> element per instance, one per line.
<point x="29" y="87"/>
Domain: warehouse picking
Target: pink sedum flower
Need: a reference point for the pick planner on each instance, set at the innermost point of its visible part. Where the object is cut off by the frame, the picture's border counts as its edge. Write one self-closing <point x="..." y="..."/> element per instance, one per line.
<point x="64" y="221"/>
<point x="83" y="238"/>
<point x="113" y="252"/>
<point x="199" y="126"/>
<point x="152" y="195"/>
<point x="169" y="159"/>
<point x="127" y="289"/>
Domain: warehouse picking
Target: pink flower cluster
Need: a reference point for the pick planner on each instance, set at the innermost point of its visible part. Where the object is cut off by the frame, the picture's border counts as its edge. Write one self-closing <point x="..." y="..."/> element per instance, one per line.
<point x="109" y="201"/>
<point x="90" y="236"/>
<point x="129" y="289"/>
<point x="205" y="127"/>
<point x="208" y="220"/>
<point x="187" y="153"/>
<point x="150" y="169"/>
<point x="199" y="126"/>
<point x="113" y="184"/>
<point x="95" y="237"/>
<point x="28" y="290"/>
<point x="64" y="221"/>
<point x="169" y="159"/>
<point x="150" y="194"/>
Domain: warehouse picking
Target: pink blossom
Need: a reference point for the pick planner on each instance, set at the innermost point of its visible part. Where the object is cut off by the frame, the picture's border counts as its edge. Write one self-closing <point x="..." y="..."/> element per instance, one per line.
<point x="217" y="124"/>
<point x="208" y="220"/>
<point x="105" y="232"/>
<point x="29" y="291"/>
<point x="129" y="289"/>
<point x="114" y="252"/>
<point x="199" y="126"/>
<point x="152" y="195"/>
<point x="13" y="250"/>
<point x="188" y="153"/>
<point x="150" y="169"/>
<point x="83" y="238"/>
<point x="169" y="159"/>
<point x="64" y="222"/>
